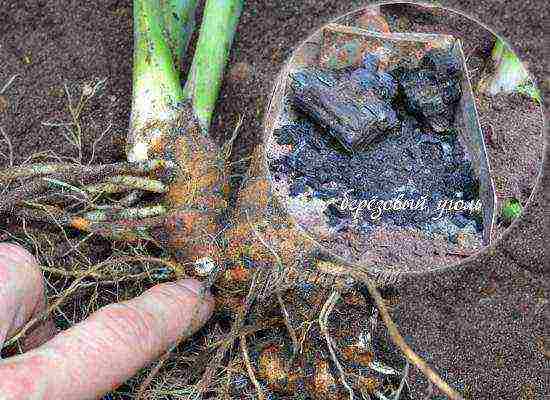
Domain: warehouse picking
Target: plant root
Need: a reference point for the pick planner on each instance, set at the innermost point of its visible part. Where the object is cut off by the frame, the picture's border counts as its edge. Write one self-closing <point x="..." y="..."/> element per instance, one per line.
<point x="288" y="324"/>
<point x="154" y="372"/>
<point x="125" y="230"/>
<point x="118" y="214"/>
<point x="233" y="335"/>
<point x="84" y="172"/>
<point x="398" y="340"/>
<point x="250" y="369"/>
<point x="403" y="380"/>
<point x="57" y="182"/>
<point x="250" y="330"/>
<point x="75" y="286"/>
<point x="323" y="324"/>
<point x="95" y="273"/>
<point x="122" y="184"/>
<point x="10" y="156"/>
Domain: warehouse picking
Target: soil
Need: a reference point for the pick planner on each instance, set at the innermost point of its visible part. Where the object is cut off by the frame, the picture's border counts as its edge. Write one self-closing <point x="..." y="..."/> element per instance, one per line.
<point x="512" y="128"/>
<point x="481" y="325"/>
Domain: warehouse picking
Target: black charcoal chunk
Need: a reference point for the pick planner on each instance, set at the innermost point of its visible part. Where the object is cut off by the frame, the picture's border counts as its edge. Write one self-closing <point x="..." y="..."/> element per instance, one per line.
<point x="432" y="91"/>
<point x="298" y="187"/>
<point x="442" y="62"/>
<point x="334" y="214"/>
<point x="399" y="115"/>
<point x="382" y="84"/>
<point x="342" y="106"/>
<point x="371" y="62"/>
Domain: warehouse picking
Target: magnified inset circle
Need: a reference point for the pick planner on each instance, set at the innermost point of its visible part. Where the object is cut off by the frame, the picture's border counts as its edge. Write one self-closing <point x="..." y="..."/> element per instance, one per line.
<point x="404" y="137"/>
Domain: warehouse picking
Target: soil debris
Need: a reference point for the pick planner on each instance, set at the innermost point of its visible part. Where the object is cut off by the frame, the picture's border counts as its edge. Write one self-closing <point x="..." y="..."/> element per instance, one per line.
<point x="240" y="72"/>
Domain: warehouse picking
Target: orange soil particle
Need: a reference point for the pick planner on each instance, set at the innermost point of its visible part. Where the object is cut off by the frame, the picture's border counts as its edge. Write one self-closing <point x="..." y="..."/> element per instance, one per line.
<point x="323" y="384"/>
<point x="183" y="223"/>
<point x="369" y="384"/>
<point x="240" y="273"/>
<point x="358" y="356"/>
<point x="80" y="223"/>
<point x="254" y="195"/>
<point x="157" y="144"/>
<point x="271" y="364"/>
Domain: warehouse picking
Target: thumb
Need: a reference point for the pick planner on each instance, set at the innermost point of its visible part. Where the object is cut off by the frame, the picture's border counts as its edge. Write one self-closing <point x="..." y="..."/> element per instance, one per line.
<point x="97" y="355"/>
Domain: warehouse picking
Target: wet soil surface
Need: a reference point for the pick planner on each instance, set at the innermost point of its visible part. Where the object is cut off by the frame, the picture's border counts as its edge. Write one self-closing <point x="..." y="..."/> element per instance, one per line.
<point x="480" y="326"/>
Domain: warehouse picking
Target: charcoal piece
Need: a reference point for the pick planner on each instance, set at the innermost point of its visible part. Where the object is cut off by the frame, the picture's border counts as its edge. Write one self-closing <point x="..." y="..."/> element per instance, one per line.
<point x="371" y="62"/>
<point x="432" y="151"/>
<point x="382" y="84"/>
<point x="281" y="165"/>
<point x="335" y="214"/>
<point x="432" y="90"/>
<point x="325" y="194"/>
<point x="410" y="159"/>
<point x="422" y="93"/>
<point x="286" y="134"/>
<point x="442" y="62"/>
<point x="460" y="220"/>
<point x="324" y="176"/>
<point x="450" y="90"/>
<point x="348" y="112"/>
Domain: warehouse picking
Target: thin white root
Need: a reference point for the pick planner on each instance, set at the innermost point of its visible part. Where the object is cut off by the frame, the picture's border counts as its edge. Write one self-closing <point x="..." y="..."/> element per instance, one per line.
<point x="403" y="380"/>
<point x="250" y="369"/>
<point x="323" y="324"/>
<point x="288" y="323"/>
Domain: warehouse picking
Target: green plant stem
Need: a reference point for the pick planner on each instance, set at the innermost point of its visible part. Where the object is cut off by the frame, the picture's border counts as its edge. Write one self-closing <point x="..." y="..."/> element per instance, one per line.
<point x="218" y="27"/>
<point x="171" y="123"/>
<point x="179" y="22"/>
<point x="161" y="33"/>
<point x="508" y="74"/>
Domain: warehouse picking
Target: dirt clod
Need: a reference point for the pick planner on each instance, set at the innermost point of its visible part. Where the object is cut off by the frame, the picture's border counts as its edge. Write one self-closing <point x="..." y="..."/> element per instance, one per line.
<point x="3" y="103"/>
<point x="239" y="72"/>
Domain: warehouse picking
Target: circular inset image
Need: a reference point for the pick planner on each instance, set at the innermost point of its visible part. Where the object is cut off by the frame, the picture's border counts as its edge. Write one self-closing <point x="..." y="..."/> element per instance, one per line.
<point x="403" y="137"/>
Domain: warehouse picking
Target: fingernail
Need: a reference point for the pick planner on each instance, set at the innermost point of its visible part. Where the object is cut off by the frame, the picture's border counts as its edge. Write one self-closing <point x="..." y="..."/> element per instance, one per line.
<point x="193" y="286"/>
<point x="205" y="304"/>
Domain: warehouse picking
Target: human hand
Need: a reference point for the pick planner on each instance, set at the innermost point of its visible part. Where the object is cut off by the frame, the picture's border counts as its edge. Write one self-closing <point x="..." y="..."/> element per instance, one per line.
<point x="98" y="354"/>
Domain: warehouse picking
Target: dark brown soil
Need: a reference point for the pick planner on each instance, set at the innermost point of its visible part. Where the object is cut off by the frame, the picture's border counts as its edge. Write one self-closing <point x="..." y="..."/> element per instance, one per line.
<point x="480" y="325"/>
<point x="513" y="128"/>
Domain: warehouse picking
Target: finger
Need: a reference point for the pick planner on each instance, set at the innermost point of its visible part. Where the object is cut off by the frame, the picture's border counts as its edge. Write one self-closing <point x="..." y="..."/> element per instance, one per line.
<point x="21" y="289"/>
<point x="100" y="353"/>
